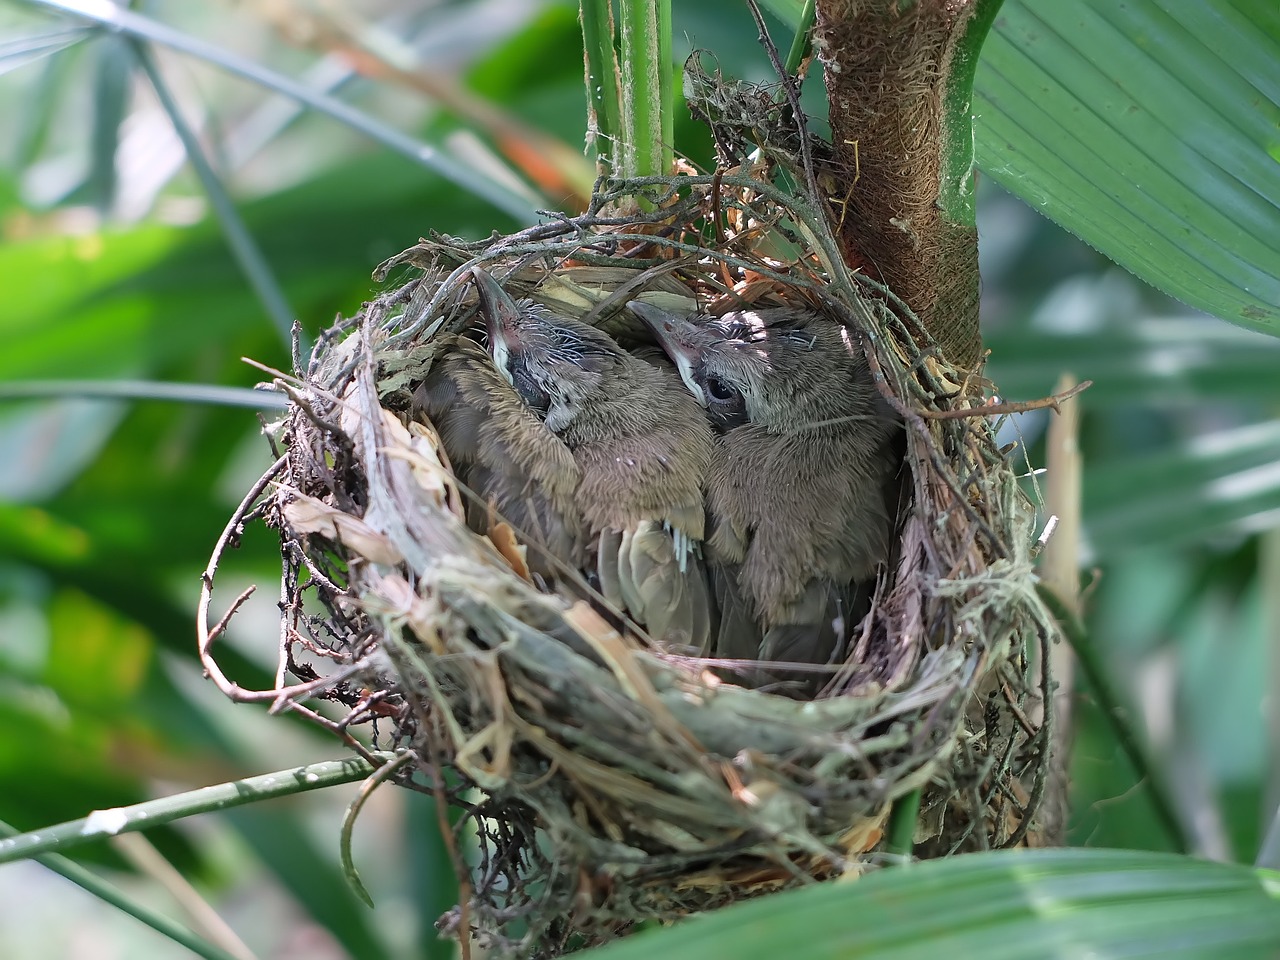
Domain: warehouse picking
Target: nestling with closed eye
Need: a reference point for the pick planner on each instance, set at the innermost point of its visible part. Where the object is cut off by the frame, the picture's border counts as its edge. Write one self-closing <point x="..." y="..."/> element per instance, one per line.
<point x="803" y="485"/>
<point x="640" y="445"/>
<point x="502" y="452"/>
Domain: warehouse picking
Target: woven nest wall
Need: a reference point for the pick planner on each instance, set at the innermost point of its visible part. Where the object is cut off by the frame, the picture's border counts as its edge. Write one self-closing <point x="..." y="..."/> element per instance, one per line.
<point x="598" y="779"/>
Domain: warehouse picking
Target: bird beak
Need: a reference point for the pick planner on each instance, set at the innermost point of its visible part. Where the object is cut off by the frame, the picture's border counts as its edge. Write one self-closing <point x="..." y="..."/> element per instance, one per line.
<point x="501" y="317"/>
<point x="682" y="341"/>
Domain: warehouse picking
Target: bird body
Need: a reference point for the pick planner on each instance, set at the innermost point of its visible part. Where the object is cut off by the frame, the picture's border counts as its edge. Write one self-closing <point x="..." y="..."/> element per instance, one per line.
<point x="518" y="470"/>
<point x="637" y="448"/>
<point x="802" y="487"/>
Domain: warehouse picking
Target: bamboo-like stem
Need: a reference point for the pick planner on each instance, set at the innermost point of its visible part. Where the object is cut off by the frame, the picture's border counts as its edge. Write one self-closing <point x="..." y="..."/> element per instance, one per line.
<point x="154" y="813"/>
<point x="803" y="42"/>
<point x="600" y="59"/>
<point x="644" y="147"/>
<point x="109" y="893"/>
<point x="900" y="834"/>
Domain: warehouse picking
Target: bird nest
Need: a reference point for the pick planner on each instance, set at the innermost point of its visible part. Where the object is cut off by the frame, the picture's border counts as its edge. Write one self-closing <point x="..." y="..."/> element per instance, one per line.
<point x="598" y="779"/>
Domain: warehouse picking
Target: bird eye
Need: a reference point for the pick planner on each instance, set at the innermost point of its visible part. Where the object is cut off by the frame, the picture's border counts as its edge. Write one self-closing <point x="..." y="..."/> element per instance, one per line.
<point x="720" y="390"/>
<point x="726" y="406"/>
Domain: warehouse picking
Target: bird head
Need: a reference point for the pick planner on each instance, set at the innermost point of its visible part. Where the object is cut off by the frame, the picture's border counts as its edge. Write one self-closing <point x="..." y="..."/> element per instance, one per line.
<point x="558" y="367"/>
<point x="777" y="368"/>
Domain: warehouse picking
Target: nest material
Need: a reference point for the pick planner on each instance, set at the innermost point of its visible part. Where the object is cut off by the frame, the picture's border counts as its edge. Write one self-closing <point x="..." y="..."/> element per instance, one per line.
<point x="599" y="780"/>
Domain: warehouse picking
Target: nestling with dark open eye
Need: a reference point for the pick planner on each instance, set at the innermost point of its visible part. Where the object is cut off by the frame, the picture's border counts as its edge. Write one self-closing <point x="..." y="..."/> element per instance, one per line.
<point x="803" y="486"/>
<point x="638" y="446"/>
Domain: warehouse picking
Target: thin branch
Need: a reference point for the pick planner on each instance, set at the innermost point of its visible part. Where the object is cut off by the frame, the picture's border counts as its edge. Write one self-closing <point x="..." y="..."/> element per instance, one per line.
<point x="1000" y="409"/>
<point x="142" y="816"/>
<point x="243" y="247"/>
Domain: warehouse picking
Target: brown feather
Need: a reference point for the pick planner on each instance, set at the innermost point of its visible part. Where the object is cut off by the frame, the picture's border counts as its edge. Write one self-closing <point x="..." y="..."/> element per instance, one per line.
<point x="641" y="446"/>
<point x="802" y="488"/>
<point x="516" y="467"/>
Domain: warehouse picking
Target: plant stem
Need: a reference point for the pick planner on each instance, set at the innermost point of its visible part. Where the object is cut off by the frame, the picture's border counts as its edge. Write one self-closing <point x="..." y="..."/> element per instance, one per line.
<point x="802" y="43"/>
<point x="152" y="813"/>
<point x="901" y="831"/>
<point x="1115" y="714"/>
<point x="110" y="894"/>
<point x="645" y="147"/>
<point x="604" y="117"/>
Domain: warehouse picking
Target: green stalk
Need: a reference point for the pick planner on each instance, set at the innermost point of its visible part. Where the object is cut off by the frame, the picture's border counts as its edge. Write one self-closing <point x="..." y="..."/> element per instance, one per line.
<point x="645" y="147"/>
<point x="666" y="88"/>
<point x="111" y="894"/>
<point x="604" y="114"/>
<point x="900" y="834"/>
<point x="153" y="813"/>
<point x="804" y="34"/>
<point x="955" y="189"/>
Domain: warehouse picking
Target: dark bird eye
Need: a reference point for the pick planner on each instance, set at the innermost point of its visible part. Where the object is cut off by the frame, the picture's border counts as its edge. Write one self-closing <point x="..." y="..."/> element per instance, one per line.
<point x="726" y="406"/>
<point x="719" y="390"/>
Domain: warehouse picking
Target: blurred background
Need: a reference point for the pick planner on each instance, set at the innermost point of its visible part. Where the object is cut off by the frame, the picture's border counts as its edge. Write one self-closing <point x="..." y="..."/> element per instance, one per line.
<point x="114" y="265"/>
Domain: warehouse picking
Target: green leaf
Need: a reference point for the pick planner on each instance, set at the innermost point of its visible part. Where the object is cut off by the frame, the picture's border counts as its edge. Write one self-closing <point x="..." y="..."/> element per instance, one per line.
<point x="1149" y="129"/>
<point x="1033" y="904"/>
<point x="18" y="51"/>
<point x="790" y="12"/>
<point x="1160" y="361"/>
<point x="1222" y="479"/>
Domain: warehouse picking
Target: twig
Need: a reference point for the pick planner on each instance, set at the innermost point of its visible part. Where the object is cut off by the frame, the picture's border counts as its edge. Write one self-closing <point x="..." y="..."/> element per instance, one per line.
<point x="793" y="100"/>
<point x="1000" y="409"/>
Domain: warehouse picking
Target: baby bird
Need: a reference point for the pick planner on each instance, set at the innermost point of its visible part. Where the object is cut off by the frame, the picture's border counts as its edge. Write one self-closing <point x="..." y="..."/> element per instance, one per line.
<point x="802" y="489"/>
<point x="640" y="445"/>
<point x="500" y="450"/>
